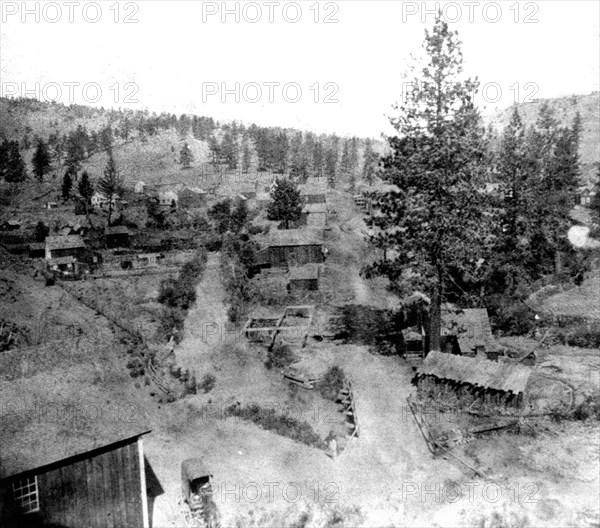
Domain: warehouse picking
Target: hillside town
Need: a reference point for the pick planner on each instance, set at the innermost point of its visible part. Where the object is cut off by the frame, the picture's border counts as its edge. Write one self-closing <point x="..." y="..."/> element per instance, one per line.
<point x="214" y="323"/>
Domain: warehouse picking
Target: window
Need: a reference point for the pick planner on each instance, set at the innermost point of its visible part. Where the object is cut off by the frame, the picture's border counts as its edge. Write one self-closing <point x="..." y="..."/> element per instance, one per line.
<point x="25" y="492"/>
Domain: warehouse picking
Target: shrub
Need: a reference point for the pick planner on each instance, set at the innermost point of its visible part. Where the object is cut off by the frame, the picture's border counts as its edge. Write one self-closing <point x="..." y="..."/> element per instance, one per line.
<point x="279" y="356"/>
<point x="515" y="319"/>
<point x="208" y="383"/>
<point x="581" y="336"/>
<point x="332" y="383"/>
<point x="286" y="426"/>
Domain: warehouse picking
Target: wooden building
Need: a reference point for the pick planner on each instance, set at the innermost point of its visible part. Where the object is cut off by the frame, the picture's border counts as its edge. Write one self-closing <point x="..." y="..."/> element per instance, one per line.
<point x="64" y="246"/>
<point x="37" y="250"/>
<point x="116" y="237"/>
<point x="303" y="278"/>
<point x="474" y="378"/>
<point x="292" y="247"/>
<point x="467" y="332"/>
<point x="68" y="458"/>
<point x="314" y="215"/>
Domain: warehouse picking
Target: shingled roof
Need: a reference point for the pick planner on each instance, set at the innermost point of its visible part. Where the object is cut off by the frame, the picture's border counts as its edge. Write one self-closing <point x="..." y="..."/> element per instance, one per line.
<point x="306" y="272"/>
<point x="64" y="242"/>
<point x="294" y="237"/>
<point x="54" y="407"/>
<point x="480" y="372"/>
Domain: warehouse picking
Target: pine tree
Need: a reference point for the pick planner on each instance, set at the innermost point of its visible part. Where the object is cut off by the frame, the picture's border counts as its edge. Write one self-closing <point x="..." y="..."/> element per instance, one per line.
<point x="41" y="160"/>
<point x="185" y="156"/>
<point x="67" y="185"/>
<point x="286" y="203"/>
<point x="14" y="171"/>
<point x="246" y="156"/>
<point x="434" y="221"/>
<point x="110" y="185"/>
<point x="370" y="161"/>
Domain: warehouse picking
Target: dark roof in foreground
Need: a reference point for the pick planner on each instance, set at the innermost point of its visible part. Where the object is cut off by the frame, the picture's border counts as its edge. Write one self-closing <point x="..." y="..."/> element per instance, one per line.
<point x="54" y="406"/>
<point x="476" y="371"/>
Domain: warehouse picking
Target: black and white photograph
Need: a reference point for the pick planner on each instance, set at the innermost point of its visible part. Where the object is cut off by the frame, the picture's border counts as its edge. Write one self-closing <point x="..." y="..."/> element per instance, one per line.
<point x="299" y="264"/>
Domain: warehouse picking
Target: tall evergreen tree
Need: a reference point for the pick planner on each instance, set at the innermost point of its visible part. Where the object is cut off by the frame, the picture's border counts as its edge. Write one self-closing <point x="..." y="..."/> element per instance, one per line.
<point x="14" y="170"/>
<point x="434" y="221"/>
<point x="185" y="156"/>
<point x="286" y="203"/>
<point x="67" y="185"/>
<point x="41" y="160"/>
<point x="110" y="185"/>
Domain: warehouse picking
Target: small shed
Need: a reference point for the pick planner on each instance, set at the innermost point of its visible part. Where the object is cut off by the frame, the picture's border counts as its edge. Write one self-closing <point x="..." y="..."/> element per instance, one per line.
<point x="64" y="246"/>
<point x="292" y="247"/>
<point x="51" y="205"/>
<point x="303" y="278"/>
<point x="11" y="225"/>
<point x="468" y="332"/>
<point x="37" y="250"/>
<point x="168" y="198"/>
<point x="139" y="187"/>
<point x="116" y="236"/>
<point x="148" y="260"/>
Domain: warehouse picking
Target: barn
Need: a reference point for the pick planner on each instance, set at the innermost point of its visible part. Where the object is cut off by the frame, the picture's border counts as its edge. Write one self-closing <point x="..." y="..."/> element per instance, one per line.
<point x="292" y="247"/>
<point x="64" y="246"/>
<point x="71" y="456"/>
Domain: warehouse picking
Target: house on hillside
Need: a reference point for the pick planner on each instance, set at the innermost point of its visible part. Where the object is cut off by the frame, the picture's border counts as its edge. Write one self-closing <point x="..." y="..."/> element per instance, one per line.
<point x="64" y="246"/>
<point x="168" y="198"/>
<point x="467" y="332"/>
<point x="116" y="236"/>
<point x="585" y="195"/>
<point x="68" y="459"/>
<point x="37" y="250"/>
<point x="139" y="187"/>
<point x="51" y="205"/>
<point x="191" y="197"/>
<point x="292" y="247"/>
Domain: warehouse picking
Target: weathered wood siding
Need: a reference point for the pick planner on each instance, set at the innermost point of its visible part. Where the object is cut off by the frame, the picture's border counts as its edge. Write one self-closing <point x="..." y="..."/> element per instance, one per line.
<point x="281" y="256"/>
<point x="102" y="491"/>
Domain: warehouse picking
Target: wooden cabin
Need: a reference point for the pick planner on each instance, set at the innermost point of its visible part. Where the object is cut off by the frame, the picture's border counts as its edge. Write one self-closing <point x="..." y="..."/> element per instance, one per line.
<point x="68" y="458"/>
<point x="117" y="236"/>
<point x="291" y="247"/>
<point x="64" y="246"/>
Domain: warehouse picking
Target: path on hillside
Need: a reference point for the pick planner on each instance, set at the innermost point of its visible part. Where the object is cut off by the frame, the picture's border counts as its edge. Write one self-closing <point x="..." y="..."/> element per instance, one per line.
<point x="205" y="324"/>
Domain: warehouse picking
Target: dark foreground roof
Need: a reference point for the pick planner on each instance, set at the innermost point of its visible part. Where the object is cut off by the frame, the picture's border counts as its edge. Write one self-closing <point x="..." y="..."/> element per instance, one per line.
<point x="479" y="372"/>
<point x="53" y="407"/>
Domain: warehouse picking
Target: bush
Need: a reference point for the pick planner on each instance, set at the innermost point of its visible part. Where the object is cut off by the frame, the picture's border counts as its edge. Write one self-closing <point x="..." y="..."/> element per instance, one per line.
<point x="515" y="319"/>
<point x="208" y="383"/>
<point x="279" y="356"/>
<point x="332" y="383"/>
<point x="285" y="426"/>
<point x="581" y="336"/>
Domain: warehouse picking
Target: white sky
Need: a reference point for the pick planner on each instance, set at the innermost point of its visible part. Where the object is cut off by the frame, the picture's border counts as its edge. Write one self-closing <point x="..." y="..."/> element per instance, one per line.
<point x="170" y="54"/>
